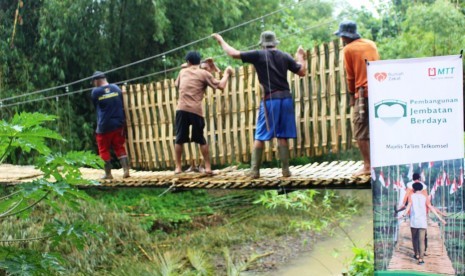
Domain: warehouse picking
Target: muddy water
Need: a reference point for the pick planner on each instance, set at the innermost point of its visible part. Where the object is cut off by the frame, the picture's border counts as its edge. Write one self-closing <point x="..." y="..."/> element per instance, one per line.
<point x="321" y="260"/>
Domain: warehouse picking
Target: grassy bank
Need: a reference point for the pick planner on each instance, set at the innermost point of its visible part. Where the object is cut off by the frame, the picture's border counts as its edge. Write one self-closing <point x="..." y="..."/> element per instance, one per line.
<point x="190" y="233"/>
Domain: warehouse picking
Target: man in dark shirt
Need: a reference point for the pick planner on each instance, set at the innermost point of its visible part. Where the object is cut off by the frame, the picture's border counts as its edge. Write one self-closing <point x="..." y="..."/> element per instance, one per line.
<point x="276" y="116"/>
<point x="108" y="101"/>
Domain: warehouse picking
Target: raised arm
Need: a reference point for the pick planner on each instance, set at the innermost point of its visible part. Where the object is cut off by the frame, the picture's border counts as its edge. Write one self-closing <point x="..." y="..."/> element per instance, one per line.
<point x="302" y="60"/>
<point x="231" y="51"/>
<point x="224" y="79"/>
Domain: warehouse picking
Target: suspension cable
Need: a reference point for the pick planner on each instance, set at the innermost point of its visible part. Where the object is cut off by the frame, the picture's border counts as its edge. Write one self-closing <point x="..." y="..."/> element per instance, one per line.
<point x="157" y="55"/>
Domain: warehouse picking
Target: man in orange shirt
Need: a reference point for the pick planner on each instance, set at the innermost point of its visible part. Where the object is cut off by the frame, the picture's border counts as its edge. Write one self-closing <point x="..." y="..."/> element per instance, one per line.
<point x="356" y="52"/>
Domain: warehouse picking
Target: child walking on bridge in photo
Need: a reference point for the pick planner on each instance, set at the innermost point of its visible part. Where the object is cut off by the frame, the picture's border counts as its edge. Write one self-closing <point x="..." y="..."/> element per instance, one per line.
<point x="417" y="206"/>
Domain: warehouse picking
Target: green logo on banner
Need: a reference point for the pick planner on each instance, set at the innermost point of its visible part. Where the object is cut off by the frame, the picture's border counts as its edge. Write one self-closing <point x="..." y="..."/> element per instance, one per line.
<point x="390" y="109"/>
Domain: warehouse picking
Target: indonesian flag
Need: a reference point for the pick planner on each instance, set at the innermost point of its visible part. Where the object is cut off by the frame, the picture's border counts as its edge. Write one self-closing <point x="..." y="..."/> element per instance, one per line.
<point x="445" y="178"/>
<point x="435" y="187"/>
<point x="422" y="176"/>
<point x="433" y="191"/>
<point x="395" y="185"/>
<point x="381" y="178"/>
<point x="430" y="164"/>
<point x="373" y="174"/>
<point x="460" y="178"/>
<point x="453" y="187"/>
<point x="401" y="183"/>
<point x="410" y="172"/>
<point x="438" y="181"/>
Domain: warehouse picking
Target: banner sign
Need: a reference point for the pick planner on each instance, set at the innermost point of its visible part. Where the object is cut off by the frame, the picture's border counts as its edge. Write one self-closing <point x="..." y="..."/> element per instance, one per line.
<point x="417" y="156"/>
<point x="416" y="110"/>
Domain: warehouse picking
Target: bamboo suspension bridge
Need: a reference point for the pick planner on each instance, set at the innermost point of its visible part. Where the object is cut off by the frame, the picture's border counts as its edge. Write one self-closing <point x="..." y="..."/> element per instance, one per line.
<point x="326" y="175"/>
<point x="437" y="261"/>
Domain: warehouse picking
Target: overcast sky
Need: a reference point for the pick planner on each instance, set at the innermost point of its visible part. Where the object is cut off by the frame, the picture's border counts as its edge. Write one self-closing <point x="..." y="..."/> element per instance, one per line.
<point x="367" y="3"/>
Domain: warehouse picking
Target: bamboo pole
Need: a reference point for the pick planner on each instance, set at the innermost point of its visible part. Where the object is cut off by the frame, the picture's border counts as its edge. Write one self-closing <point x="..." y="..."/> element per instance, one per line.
<point x="333" y="111"/>
<point x="155" y="127"/>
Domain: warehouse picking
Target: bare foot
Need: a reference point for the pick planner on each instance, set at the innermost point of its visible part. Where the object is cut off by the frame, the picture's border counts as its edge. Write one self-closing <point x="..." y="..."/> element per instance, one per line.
<point x="361" y="172"/>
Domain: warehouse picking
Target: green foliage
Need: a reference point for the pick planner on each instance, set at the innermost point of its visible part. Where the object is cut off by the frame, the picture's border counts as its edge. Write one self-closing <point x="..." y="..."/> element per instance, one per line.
<point x="200" y="262"/>
<point x="168" y="263"/>
<point x="319" y="207"/>
<point x="428" y="30"/>
<point x="171" y="210"/>
<point x="28" y="263"/>
<point x="60" y="173"/>
<point x="362" y="262"/>
<point x="26" y="132"/>
<point x="62" y="41"/>
<point x="76" y="233"/>
<point x="65" y="167"/>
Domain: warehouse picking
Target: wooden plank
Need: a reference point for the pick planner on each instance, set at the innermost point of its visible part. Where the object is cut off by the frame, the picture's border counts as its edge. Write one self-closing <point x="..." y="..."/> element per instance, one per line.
<point x="143" y="126"/>
<point x="220" y="113"/>
<point x="154" y="126"/>
<point x="137" y="126"/>
<point x="171" y="103"/>
<point x="251" y="106"/>
<point x="315" y="106"/>
<point x="163" y="123"/>
<point x="345" y="118"/>
<point x="212" y="127"/>
<point x="298" y="116"/>
<point x="333" y="100"/>
<point x="243" y="110"/>
<point x="235" y="122"/>
<point x="227" y="117"/>
<point x="307" y="118"/>
<point x="324" y="99"/>
<point x="130" y="127"/>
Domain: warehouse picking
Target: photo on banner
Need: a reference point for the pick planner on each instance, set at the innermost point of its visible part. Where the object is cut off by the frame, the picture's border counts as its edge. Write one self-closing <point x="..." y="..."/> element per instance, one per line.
<point x="417" y="158"/>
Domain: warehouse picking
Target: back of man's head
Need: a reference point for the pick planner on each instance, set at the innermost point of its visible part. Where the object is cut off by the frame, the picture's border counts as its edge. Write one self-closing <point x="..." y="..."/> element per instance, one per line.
<point x="193" y="57"/>
<point x="416" y="176"/>
<point x="417" y="186"/>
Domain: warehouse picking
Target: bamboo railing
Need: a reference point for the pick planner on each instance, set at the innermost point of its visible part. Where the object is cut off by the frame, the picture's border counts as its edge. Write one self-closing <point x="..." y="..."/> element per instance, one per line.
<point x="323" y="115"/>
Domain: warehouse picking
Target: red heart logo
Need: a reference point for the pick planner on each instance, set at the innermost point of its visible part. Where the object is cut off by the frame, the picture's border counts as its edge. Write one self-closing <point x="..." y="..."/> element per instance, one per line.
<point x="381" y="76"/>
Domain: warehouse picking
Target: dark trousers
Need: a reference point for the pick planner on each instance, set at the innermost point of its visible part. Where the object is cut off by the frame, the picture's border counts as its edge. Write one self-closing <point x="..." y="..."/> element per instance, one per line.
<point x="418" y="241"/>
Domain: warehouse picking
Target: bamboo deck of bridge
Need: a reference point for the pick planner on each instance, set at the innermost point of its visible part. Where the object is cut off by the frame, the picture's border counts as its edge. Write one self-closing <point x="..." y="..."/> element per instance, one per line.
<point x="436" y="262"/>
<point x="330" y="175"/>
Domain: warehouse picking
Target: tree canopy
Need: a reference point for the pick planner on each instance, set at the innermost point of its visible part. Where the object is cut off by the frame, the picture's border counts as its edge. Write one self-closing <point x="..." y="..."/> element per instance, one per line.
<point x="53" y="42"/>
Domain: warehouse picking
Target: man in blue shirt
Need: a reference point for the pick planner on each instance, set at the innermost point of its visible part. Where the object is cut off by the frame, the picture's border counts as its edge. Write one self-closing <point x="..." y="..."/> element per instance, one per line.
<point x="108" y="101"/>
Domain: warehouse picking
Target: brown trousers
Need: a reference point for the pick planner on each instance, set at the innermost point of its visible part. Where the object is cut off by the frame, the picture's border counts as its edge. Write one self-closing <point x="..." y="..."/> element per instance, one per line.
<point x="418" y="240"/>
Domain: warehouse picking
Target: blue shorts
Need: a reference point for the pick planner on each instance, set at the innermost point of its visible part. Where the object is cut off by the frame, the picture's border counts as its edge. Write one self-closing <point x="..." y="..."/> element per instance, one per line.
<point x="281" y="119"/>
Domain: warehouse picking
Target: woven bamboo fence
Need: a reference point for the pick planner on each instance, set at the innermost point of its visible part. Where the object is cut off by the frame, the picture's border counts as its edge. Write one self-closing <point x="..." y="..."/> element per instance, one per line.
<point x="323" y="115"/>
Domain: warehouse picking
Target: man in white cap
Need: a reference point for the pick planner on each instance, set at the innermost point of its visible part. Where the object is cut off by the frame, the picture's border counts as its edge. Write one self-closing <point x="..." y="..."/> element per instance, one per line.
<point x="356" y="52"/>
<point x="272" y="65"/>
